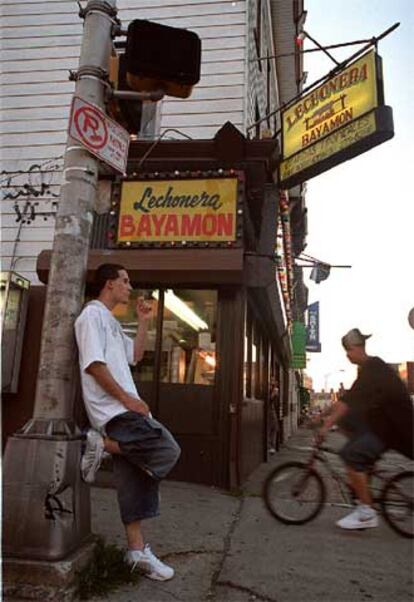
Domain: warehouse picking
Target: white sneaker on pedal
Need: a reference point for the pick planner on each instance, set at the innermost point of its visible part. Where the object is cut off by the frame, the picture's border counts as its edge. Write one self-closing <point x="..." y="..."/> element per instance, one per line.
<point x="363" y="517"/>
<point x="92" y="456"/>
<point x="148" y="564"/>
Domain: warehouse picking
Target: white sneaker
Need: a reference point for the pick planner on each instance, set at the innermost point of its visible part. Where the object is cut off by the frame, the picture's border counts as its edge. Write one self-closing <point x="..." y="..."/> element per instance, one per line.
<point x="92" y="456"/>
<point x="363" y="517"/>
<point x="146" y="562"/>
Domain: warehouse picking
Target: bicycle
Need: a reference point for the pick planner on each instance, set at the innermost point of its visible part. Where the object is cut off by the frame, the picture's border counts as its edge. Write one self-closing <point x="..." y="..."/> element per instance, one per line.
<point x="295" y="492"/>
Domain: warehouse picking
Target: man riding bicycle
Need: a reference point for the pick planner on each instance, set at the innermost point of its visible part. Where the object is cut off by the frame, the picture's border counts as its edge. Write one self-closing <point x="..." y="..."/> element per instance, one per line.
<point x="376" y="414"/>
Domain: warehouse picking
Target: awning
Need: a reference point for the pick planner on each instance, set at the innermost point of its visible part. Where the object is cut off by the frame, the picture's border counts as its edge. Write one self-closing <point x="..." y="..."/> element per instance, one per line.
<point x="196" y="267"/>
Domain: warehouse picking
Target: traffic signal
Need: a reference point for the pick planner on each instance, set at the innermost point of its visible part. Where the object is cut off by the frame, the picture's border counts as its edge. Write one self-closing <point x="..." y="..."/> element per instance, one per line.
<point x="127" y="113"/>
<point x="320" y="272"/>
<point x="162" y="57"/>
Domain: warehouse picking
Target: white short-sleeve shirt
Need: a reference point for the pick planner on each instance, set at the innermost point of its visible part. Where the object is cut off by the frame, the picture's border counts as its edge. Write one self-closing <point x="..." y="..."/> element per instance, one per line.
<point x="100" y="339"/>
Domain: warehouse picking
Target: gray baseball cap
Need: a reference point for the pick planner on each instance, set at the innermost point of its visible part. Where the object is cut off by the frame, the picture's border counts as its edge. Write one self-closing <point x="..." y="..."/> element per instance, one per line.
<point x="354" y="337"/>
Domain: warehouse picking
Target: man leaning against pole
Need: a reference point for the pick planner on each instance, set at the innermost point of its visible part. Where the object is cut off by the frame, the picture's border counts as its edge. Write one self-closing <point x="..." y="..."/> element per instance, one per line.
<point x="143" y="450"/>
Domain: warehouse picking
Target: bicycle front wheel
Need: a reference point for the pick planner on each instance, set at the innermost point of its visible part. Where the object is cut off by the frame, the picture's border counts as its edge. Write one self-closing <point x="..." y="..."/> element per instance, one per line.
<point x="397" y="503"/>
<point x="294" y="493"/>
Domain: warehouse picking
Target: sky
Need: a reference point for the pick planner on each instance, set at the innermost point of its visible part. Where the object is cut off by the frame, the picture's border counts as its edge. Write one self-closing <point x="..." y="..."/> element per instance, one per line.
<point x="362" y="211"/>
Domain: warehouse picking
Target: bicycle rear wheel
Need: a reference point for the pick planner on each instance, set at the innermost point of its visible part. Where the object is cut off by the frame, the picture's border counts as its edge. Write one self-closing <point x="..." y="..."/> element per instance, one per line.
<point x="397" y="503"/>
<point x="294" y="493"/>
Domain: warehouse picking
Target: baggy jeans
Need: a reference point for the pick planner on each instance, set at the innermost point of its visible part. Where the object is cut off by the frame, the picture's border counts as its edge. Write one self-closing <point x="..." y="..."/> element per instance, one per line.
<point x="149" y="452"/>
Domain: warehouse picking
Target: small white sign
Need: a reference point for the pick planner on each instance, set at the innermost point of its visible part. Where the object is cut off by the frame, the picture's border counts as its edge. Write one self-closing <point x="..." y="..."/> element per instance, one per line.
<point x="99" y="134"/>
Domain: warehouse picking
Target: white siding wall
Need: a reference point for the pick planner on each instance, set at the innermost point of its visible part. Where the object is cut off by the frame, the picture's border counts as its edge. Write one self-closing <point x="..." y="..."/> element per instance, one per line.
<point x="257" y="78"/>
<point x="40" y="43"/>
<point x="285" y="31"/>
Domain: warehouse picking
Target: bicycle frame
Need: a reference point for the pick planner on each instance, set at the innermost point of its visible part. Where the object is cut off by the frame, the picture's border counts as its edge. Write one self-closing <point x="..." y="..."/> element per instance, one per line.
<point x="320" y="454"/>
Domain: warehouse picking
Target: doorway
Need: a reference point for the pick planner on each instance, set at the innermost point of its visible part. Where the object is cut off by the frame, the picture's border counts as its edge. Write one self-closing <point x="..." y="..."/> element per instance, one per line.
<point x="177" y="375"/>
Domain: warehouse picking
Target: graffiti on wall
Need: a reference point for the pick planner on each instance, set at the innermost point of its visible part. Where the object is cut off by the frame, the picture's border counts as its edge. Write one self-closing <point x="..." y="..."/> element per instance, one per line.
<point x="27" y="213"/>
<point x="28" y="187"/>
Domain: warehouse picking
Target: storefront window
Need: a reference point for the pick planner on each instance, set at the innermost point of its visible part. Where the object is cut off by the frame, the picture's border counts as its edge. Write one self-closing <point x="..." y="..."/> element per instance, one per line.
<point x="187" y="346"/>
<point x="188" y="337"/>
<point x="247" y="364"/>
<point x="261" y="373"/>
<point x="253" y="384"/>
<point x="126" y="314"/>
<point x="255" y="373"/>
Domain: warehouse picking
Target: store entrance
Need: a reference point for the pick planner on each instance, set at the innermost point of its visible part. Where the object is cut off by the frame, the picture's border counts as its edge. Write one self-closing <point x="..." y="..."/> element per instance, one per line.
<point x="177" y="375"/>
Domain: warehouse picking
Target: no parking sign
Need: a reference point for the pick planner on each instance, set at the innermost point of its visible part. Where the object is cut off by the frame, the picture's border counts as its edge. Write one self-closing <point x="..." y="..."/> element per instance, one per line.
<point x="99" y="134"/>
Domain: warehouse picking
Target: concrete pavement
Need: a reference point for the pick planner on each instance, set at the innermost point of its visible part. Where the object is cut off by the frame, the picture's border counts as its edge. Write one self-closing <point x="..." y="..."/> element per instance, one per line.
<point x="227" y="548"/>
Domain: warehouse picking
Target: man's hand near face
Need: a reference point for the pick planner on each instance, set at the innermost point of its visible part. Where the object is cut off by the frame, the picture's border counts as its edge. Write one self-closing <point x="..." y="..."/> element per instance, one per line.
<point x="144" y="309"/>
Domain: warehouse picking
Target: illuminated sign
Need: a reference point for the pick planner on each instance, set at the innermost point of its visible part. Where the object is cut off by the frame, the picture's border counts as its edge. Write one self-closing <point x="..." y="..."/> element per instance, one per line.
<point x="338" y="120"/>
<point x="178" y="211"/>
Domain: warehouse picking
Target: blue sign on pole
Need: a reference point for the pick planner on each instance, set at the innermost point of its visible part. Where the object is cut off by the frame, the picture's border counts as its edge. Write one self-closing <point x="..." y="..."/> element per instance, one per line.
<point x="312" y="328"/>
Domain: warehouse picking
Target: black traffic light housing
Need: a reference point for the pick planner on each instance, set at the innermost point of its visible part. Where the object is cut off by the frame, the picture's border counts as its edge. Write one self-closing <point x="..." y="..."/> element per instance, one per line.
<point x="162" y="57"/>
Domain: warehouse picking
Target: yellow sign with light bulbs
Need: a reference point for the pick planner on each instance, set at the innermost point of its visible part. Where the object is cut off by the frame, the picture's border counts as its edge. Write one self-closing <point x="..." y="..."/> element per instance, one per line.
<point x="178" y="210"/>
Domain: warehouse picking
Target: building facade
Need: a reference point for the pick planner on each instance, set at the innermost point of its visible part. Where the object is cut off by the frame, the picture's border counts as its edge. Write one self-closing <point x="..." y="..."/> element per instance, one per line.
<point x="209" y="384"/>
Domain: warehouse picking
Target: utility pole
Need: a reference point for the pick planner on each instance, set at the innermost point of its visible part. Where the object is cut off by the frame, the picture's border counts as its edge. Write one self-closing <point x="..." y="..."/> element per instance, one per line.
<point x="46" y="505"/>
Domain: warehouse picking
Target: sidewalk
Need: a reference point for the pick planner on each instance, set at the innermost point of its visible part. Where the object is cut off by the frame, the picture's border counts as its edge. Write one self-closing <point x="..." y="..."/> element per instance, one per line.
<point x="229" y="549"/>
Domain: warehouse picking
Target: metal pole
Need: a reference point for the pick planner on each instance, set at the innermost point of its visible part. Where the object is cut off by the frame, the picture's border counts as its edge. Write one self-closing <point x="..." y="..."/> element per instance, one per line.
<point x="72" y="231"/>
<point x="323" y="48"/>
<point x="46" y="505"/>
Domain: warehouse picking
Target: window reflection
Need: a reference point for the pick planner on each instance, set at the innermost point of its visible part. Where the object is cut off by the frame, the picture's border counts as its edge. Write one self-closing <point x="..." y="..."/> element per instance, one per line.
<point x="245" y="365"/>
<point x="254" y="370"/>
<point x="188" y="348"/>
<point x="188" y="337"/>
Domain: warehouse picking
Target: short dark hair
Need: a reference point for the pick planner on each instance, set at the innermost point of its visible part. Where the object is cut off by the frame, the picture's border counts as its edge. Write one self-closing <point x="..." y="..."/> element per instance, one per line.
<point x="105" y="272"/>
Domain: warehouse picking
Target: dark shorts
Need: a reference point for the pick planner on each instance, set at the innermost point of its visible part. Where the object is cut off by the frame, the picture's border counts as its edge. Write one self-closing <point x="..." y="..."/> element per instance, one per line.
<point x="138" y="493"/>
<point x="149" y="452"/>
<point x="362" y="450"/>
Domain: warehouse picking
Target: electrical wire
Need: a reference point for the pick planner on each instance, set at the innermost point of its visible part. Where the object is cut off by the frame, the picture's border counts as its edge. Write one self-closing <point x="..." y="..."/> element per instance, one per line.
<point x="154" y="144"/>
<point x="308" y="50"/>
<point x="20" y="172"/>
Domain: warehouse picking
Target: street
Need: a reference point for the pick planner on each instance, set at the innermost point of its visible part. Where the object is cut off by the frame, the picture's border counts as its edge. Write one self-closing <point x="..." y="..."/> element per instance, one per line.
<point x="227" y="548"/>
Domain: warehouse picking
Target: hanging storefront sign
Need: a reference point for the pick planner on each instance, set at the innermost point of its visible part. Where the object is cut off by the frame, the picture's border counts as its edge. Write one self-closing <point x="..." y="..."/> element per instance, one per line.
<point x="180" y="211"/>
<point x="312" y="328"/>
<point x="338" y="120"/>
<point x="298" y="339"/>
